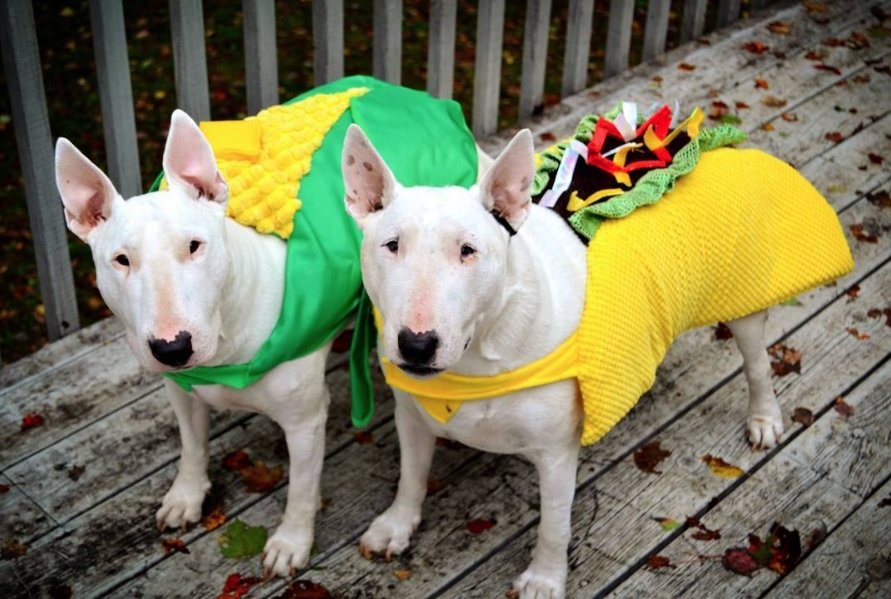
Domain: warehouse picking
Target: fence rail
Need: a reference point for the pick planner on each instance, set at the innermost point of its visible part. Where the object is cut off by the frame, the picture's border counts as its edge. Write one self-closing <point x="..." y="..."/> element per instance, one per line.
<point x="21" y="61"/>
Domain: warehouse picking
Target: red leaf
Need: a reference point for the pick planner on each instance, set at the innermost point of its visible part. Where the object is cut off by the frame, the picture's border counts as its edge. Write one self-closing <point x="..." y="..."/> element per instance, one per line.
<point x="741" y="105"/>
<point x="853" y="292"/>
<point x="547" y="136"/>
<point x="648" y="457"/>
<point x="861" y="235"/>
<point x="30" y="421"/>
<point x="815" y="55"/>
<point x="657" y="562"/>
<point x="685" y="66"/>
<point x="305" y="589"/>
<point x="174" y="545"/>
<point x="479" y="525"/>
<point x="363" y="437"/>
<point x="857" y="334"/>
<point x="844" y="409"/>
<point x="237" y="587"/>
<point x="703" y="533"/>
<point x="739" y="561"/>
<point x="260" y="478"/>
<point x="215" y="519"/>
<point x="835" y="136"/>
<point x="827" y="67"/>
<point x="755" y="47"/>
<point x="803" y="416"/>
<point x="833" y="42"/>
<point x="236" y="460"/>
<point x="761" y="84"/>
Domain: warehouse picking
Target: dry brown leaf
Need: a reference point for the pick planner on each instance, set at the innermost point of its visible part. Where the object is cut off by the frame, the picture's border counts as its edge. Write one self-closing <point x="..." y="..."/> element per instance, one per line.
<point x="773" y="101"/>
<point x="853" y="292"/>
<point x="741" y="105"/>
<point x="215" y="519"/>
<point x="835" y="136"/>
<point x="876" y="159"/>
<point x="364" y="437"/>
<point x="755" y="47"/>
<point x="803" y="416"/>
<point x="12" y="550"/>
<point x="260" y="478"/>
<point x="779" y="27"/>
<point x="789" y="117"/>
<point x="857" y="334"/>
<point x="761" y="84"/>
<point x="402" y="574"/>
<point x="648" y="457"/>
<point x="722" y="332"/>
<point x="657" y="562"/>
<point x="812" y="6"/>
<point x="767" y="127"/>
<point x="860" y="234"/>
<point x="720" y="468"/>
<point x="686" y="66"/>
<point x="174" y="545"/>
<point x="844" y="409"/>
<point x="784" y="360"/>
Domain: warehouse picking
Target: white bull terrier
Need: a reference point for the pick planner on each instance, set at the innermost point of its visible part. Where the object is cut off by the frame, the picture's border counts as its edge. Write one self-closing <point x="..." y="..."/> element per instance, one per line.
<point x="457" y="292"/>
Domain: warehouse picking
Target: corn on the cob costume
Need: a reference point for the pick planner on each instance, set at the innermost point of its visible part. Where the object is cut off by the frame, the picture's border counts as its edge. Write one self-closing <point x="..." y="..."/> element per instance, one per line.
<point x="681" y="232"/>
<point x="283" y="168"/>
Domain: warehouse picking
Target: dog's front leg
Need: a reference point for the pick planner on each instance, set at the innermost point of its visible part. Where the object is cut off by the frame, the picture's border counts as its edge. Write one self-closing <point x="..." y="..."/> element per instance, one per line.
<point x="546" y="575"/>
<point x="391" y="531"/>
<point x="182" y="503"/>
<point x="289" y="548"/>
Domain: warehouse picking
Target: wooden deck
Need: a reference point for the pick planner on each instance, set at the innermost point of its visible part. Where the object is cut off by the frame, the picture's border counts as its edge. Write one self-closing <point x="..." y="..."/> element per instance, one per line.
<point x="83" y="487"/>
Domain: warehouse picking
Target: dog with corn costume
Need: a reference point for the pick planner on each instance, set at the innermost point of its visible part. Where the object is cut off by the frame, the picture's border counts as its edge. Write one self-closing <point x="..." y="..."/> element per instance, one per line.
<point x="508" y="335"/>
<point x="234" y="274"/>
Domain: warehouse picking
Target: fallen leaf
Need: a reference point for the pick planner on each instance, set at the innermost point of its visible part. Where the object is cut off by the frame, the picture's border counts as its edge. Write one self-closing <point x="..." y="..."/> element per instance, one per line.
<point x="12" y="550"/>
<point x="722" y="332"/>
<point x="876" y="159"/>
<point x="241" y="541"/>
<point x="835" y="136"/>
<point x="773" y="101"/>
<point x="702" y="532"/>
<point x="657" y="562"/>
<point x="884" y="69"/>
<point x="779" y="27"/>
<point x="761" y="84"/>
<point x="174" y="545"/>
<point x="741" y="105"/>
<point x="857" y="41"/>
<point x="827" y="67"/>
<point x="720" y="468"/>
<point x="861" y="78"/>
<point x="811" y="6"/>
<point x="4" y="489"/>
<point x="648" y="457"/>
<point x="547" y="136"/>
<point x="844" y="409"/>
<point x="30" y="421"/>
<point x="656" y="79"/>
<point x="833" y="42"/>
<point x="236" y="460"/>
<point x="857" y="334"/>
<point x="789" y="117"/>
<point x="886" y="502"/>
<point x="667" y="524"/>
<point x="803" y="416"/>
<point x="792" y="301"/>
<point x="685" y="66"/>
<point x="784" y="360"/>
<point x="480" y="525"/>
<point x="712" y="93"/>
<point x="853" y="292"/>
<point x="402" y="574"/>
<point x="876" y="313"/>
<point x="817" y="536"/>
<point x="836" y="189"/>
<point x="755" y="47"/>
<point x="305" y="589"/>
<point x="364" y="437"/>
<point x="260" y="478"/>
<point x="214" y="519"/>
<point x="75" y="472"/>
<point x="237" y="587"/>
<point x="739" y="561"/>
<point x="767" y="127"/>
<point x="818" y="55"/>
<point x="434" y="486"/>
<point x="882" y="199"/>
<point x="861" y="235"/>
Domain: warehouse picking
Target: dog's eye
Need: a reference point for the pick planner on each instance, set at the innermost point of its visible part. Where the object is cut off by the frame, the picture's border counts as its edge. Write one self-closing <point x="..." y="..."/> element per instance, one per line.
<point x="122" y="260"/>
<point x="467" y="250"/>
<point x="194" y="245"/>
<point x="392" y="245"/>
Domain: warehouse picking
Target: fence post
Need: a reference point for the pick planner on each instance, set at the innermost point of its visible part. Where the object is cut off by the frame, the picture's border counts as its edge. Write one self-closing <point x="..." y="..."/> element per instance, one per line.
<point x="24" y="79"/>
<point x="618" y="38"/>
<point x="578" y="46"/>
<point x="260" y="64"/>
<point x="388" y="40"/>
<point x="535" y="55"/>
<point x="487" y="66"/>
<point x="190" y="58"/>
<point x="728" y="12"/>
<point x="327" y="40"/>
<point x="656" y="30"/>
<point x="441" y="50"/>
<point x="694" y="20"/>
<point x="116" y="95"/>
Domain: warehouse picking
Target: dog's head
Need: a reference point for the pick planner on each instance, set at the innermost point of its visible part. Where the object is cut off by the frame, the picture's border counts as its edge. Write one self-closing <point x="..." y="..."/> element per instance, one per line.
<point x="434" y="259"/>
<point x="161" y="260"/>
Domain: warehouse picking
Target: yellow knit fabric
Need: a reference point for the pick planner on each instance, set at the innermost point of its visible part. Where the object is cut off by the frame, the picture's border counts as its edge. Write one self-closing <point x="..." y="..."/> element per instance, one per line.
<point x="264" y="158"/>
<point x="740" y="233"/>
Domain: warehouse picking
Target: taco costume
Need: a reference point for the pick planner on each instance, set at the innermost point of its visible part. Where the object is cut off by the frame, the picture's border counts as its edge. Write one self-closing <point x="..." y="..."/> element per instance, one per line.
<point x="681" y="232"/>
<point x="283" y="168"/>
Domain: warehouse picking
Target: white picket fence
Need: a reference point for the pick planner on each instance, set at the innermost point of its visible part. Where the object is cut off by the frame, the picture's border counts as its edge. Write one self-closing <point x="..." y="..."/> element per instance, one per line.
<point x="21" y="61"/>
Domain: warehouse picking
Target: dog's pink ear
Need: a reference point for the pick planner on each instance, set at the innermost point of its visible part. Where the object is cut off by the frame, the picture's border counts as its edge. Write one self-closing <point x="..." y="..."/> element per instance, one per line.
<point x="189" y="161"/>
<point x="368" y="182"/>
<point x="505" y="188"/>
<point x="87" y="193"/>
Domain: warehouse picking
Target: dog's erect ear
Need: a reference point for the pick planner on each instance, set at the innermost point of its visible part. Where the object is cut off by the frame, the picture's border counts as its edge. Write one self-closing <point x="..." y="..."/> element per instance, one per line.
<point x="368" y="182"/>
<point x="505" y="187"/>
<point x="189" y="162"/>
<point x="86" y="192"/>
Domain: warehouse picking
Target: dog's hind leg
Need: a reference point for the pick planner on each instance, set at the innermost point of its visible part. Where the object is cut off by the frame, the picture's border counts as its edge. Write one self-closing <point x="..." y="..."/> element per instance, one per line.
<point x="182" y="503"/>
<point x="765" y="420"/>
<point x="546" y="575"/>
<point x="391" y="531"/>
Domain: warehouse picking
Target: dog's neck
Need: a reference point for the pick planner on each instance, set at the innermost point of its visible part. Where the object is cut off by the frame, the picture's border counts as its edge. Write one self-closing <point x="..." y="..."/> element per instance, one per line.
<point x="255" y="283"/>
<point x="540" y="304"/>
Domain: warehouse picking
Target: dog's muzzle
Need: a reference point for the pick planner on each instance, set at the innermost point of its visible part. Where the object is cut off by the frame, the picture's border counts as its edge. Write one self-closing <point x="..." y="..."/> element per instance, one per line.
<point x="418" y="350"/>
<point x="172" y="353"/>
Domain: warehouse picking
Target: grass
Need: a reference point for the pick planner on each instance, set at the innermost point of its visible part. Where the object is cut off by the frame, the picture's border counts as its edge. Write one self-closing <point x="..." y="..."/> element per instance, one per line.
<point x="66" y="48"/>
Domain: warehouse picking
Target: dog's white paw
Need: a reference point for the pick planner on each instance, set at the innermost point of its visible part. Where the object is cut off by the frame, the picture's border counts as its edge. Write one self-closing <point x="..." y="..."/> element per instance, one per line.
<point x="765" y="430"/>
<point x="287" y="551"/>
<point x="182" y="503"/>
<point x="534" y="584"/>
<point x="390" y="534"/>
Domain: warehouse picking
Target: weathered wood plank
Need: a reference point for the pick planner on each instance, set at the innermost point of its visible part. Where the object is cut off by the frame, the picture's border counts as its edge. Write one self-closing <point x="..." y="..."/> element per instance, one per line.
<point x="24" y="80"/>
<point x="116" y="96"/>
<point x="728" y="12"/>
<point x="618" y="39"/>
<point x="22" y="518"/>
<point x="613" y="529"/>
<point x="694" y="19"/>
<point x="656" y="31"/>
<point x="853" y="561"/>
<point x="535" y="55"/>
<point x="53" y="355"/>
<point x="260" y="63"/>
<point x="578" y="46"/>
<point x="327" y="40"/>
<point x="441" y="48"/>
<point x="388" y="40"/>
<point x="487" y="66"/>
<point x="190" y="58"/>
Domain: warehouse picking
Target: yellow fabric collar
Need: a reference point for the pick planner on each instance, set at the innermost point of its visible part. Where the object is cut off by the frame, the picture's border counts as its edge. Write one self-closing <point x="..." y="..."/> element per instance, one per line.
<point x="442" y="395"/>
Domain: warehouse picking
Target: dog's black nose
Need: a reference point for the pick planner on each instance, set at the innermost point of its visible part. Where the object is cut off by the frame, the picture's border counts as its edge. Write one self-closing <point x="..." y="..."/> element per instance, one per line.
<point x="172" y="353"/>
<point x="417" y="348"/>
